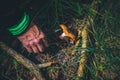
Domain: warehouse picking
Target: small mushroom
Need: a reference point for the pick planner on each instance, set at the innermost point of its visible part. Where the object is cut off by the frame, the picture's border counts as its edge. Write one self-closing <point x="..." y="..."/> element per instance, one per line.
<point x="67" y="33"/>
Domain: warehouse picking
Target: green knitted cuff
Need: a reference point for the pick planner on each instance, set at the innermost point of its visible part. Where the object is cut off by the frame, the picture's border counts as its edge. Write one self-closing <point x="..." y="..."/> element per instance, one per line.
<point x="21" y="26"/>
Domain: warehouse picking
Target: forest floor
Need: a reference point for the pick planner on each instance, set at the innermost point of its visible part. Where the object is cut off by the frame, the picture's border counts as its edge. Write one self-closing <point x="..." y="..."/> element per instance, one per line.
<point x="98" y="64"/>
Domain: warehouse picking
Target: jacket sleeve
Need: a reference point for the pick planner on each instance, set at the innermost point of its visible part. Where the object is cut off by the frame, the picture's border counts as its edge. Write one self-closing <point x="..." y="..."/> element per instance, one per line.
<point x="10" y="14"/>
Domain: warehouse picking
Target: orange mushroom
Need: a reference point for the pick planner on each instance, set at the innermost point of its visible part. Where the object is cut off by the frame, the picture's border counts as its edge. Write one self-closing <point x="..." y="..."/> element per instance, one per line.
<point x="67" y="33"/>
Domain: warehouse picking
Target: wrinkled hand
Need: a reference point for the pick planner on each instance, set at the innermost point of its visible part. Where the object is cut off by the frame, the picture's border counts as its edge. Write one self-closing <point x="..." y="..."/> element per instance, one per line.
<point x="33" y="39"/>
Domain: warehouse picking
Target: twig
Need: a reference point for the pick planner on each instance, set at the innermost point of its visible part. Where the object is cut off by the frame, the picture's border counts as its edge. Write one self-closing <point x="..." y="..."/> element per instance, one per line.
<point x="43" y="65"/>
<point x="83" y="57"/>
<point x="24" y="61"/>
<point x="77" y="44"/>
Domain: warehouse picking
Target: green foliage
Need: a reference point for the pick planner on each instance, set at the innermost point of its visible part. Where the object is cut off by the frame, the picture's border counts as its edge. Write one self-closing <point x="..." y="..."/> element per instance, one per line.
<point x="105" y="53"/>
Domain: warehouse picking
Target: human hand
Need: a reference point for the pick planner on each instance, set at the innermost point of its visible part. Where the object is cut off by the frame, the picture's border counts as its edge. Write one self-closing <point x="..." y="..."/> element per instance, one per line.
<point x="33" y="39"/>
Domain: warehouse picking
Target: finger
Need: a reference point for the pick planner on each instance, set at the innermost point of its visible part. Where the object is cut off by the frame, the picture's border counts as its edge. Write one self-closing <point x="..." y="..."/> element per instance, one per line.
<point x="41" y="35"/>
<point x="29" y="49"/>
<point x="39" y="44"/>
<point x="34" y="48"/>
<point x="45" y="42"/>
<point x="40" y="47"/>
